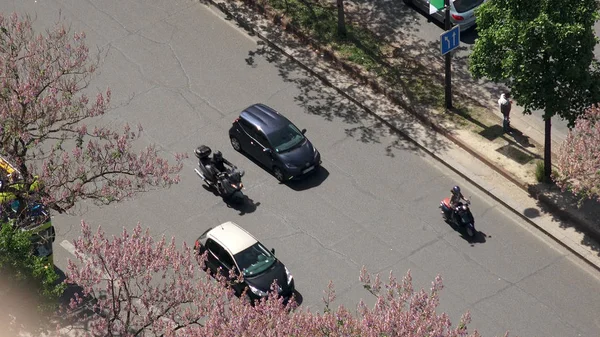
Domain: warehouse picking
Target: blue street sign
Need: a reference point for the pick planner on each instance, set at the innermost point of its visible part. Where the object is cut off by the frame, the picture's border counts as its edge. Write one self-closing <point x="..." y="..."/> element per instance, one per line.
<point x="450" y="39"/>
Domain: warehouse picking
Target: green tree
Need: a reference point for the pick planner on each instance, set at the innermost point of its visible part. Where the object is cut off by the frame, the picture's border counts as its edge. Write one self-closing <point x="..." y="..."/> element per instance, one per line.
<point x="544" y="52"/>
<point x="18" y="265"/>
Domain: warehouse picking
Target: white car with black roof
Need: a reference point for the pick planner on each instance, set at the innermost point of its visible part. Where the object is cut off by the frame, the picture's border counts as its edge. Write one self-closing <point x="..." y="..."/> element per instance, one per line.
<point x="230" y="247"/>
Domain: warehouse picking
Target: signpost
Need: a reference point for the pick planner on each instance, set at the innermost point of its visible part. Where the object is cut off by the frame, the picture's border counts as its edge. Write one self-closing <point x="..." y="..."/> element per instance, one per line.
<point x="450" y="40"/>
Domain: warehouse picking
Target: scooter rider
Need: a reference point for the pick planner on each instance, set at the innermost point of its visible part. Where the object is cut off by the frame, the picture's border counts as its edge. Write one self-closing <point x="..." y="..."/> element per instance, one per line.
<point x="456" y="199"/>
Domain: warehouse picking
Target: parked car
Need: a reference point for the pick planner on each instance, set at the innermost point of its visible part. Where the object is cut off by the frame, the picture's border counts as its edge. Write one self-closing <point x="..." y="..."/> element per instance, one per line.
<point x="275" y="142"/>
<point x="462" y="12"/>
<point x="230" y="247"/>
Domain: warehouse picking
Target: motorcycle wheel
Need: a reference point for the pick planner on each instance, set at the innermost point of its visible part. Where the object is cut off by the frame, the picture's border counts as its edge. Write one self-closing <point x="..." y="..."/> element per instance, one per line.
<point x="470" y="231"/>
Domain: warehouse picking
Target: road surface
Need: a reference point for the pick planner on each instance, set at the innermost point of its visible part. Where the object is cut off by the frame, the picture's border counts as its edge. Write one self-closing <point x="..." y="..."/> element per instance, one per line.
<point x="185" y="73"/>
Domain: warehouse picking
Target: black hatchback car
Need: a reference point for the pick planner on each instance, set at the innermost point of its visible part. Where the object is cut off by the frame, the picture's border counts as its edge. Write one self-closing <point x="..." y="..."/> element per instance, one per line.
<point x="275" y="142"/>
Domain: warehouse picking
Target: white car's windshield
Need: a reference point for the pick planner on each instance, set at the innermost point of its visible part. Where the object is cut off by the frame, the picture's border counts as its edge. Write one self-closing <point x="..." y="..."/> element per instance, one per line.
<point x="254" y="260"/>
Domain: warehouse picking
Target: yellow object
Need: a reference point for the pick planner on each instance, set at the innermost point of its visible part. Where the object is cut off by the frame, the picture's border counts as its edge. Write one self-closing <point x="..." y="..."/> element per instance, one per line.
<point x="7" y="167"/>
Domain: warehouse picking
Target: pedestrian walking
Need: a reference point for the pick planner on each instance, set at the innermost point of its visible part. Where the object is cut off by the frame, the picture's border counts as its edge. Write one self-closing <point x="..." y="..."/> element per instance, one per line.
<point x="505" y="105"/>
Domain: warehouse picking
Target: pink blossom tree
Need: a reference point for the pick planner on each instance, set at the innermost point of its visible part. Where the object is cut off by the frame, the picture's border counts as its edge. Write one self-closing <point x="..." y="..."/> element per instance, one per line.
<point x="143" y="287"/>
<point x="579" y="157"/>
<point x="43" y="113"/>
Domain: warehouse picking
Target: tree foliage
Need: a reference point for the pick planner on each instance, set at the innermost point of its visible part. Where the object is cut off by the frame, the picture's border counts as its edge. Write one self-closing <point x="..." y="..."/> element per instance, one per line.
<point x="579" y="157"/>
<point x="542" y="50"/>
<point x="44" y="108"/>
<point x="143" y="287"/>
<point x="18" y="265"/>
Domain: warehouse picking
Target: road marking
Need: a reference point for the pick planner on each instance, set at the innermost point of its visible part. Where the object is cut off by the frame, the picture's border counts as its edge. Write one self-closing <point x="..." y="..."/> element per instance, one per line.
<point x="69" y="247"/>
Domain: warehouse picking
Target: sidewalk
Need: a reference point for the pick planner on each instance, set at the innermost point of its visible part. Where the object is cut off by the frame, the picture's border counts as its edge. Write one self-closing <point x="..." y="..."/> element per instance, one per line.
<point x="501" y="164"/>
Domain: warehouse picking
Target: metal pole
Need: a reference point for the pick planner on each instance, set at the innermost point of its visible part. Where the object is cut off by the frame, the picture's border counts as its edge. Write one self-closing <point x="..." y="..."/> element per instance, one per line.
<point x="448" y="73"/>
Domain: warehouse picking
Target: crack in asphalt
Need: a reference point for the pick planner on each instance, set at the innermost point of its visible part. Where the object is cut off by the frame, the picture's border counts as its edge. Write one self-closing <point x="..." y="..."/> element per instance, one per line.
<point x="537" y="300"/>
<point x="107" y="14"/>
<point x="188" y="81"/>
<point x="314" y="238"/>
<point x="139" y="67"/>
<point x="483" y="266"/>
<point x="423" y="246"/>
<point x="279" y="90"/>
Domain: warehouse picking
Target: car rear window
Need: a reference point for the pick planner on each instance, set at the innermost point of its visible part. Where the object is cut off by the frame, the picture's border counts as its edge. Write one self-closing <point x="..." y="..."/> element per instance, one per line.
<point x="462" y="6"/>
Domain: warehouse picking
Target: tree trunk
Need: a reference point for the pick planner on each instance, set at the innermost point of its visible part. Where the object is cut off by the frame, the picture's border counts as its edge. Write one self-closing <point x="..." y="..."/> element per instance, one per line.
<point x="341" y="24"/>
<point x="548" y="149"/>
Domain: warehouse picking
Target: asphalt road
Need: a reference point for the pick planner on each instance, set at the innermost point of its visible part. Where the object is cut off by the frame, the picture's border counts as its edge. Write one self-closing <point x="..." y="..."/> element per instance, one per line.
<point x="185" y="73"/>
<point x="403" y="18"/>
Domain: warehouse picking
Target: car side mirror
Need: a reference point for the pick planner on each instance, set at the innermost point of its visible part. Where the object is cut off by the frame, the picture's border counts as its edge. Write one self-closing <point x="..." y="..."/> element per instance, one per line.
<point x="273" y="251"/>
<point x="303" y="131"/>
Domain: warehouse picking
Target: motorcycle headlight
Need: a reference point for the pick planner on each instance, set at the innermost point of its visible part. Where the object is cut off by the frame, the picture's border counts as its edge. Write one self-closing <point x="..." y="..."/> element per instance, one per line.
<point x="257" y="291"/>
<point x="289" y="276"/>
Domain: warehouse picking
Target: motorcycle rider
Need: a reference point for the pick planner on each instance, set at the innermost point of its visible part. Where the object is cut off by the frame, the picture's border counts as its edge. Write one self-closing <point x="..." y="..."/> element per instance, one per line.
<point x="456" y="199"/>
<point x="218" y="162"/>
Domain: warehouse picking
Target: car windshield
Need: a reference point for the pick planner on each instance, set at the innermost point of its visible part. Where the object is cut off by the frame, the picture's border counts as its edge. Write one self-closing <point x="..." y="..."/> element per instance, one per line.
<point x="462" y="6"/>
<point x="254" y="260"/>
<point x="286" y="138"/>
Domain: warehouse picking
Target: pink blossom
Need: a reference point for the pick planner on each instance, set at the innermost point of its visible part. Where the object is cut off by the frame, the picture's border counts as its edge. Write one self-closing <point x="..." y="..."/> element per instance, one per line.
<point x="44" y="78"/>
<point x="144" y="287"/>
<point x="579" y="157"/>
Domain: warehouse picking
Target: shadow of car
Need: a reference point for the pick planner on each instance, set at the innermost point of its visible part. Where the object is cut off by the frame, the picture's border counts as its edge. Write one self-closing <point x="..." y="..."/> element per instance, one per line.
<point x="276" y="143"/>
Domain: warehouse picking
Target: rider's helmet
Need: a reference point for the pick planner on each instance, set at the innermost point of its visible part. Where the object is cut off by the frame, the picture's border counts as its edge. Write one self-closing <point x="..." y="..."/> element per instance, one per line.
<point x="218" y="156"/>
<point x="456" y="190"/>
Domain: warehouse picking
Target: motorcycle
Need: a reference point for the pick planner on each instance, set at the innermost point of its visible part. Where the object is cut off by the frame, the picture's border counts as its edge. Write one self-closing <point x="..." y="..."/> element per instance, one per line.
<point x="228" y="184"/>
<point x="461" y="216"/>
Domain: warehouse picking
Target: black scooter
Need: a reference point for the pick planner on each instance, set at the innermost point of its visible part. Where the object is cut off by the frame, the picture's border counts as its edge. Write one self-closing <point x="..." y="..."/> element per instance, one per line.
<point x="228" y="184"/>
<point x="461" y="216"/>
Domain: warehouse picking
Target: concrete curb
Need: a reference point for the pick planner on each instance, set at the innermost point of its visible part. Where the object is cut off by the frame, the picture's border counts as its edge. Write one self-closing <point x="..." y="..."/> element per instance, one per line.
<point x="531" y="190"/>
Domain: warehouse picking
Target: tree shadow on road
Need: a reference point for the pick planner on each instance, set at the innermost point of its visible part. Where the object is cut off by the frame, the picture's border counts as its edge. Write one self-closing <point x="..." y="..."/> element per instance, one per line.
<point x="321" y="100"/>
<point x="398" y="24"/>
<point x="411" y="70"/>
<point x="566" y="201"/>
<point x="384" y="18"/>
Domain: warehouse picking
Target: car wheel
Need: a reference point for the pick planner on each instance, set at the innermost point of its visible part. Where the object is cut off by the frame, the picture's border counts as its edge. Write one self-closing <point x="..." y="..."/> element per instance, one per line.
<point x="235" y="143"/>
<point x="278" y="173"/>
